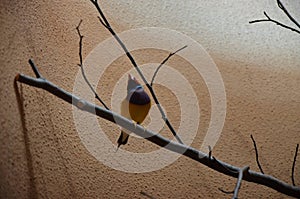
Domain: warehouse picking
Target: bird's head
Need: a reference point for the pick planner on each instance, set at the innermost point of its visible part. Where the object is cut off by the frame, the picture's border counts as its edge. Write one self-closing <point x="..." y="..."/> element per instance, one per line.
<point x="132" y="83"/>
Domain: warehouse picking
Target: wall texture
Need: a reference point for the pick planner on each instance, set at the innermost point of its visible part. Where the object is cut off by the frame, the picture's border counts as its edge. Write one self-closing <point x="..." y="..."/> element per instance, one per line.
<point x="42" y="155"/>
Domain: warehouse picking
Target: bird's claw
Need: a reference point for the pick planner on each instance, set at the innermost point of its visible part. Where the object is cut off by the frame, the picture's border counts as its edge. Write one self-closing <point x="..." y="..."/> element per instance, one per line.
<point x="134" y="123"/>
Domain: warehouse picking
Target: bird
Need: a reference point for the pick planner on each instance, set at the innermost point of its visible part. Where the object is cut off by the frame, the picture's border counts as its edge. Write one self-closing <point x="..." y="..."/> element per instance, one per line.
<point x="135" y="106"/>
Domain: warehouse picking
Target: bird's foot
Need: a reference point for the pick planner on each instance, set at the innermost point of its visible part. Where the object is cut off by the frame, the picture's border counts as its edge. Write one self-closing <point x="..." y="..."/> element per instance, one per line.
<point x="135" y="124"/>
<point x="144" y="128"/>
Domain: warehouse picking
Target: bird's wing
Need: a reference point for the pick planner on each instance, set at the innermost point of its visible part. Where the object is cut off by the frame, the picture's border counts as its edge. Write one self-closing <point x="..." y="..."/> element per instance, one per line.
<point x="125" y="109"/>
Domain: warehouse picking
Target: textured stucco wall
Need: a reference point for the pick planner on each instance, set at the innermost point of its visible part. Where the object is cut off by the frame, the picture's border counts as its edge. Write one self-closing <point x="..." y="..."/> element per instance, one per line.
<point x="221" y="27"/>
<point x="41" y="153"/>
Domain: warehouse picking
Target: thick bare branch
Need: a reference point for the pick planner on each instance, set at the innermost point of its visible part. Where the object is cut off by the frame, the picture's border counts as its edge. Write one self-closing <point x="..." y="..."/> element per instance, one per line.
<point x="192" y="153"/>
<point x="256" y="155"/>
<point x="105" y="23"/>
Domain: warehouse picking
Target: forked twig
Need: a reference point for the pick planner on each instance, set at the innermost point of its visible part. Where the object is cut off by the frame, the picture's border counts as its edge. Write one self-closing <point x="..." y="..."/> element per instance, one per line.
<point x="281" y="6"/>
<point x="163" y="62"/>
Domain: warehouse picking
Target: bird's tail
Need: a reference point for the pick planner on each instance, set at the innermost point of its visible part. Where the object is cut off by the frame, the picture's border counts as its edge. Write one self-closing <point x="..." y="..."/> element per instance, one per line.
<point x="123" y="139"/>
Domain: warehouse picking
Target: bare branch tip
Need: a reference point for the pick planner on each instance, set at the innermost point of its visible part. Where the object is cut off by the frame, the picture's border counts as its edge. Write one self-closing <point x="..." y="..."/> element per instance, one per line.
<point x="267" y="15"/>
<point x="294" y="164"/>
<point x="280" y="4"/>
<point x="210" y="152"/>
<point x="34" y="68"/>
<point x="256" y="154"/>
<point x="180" y="49"/>
<point x="17" y="77"/>
<point x="79" y="24"/>
<point x="226" y="192"/>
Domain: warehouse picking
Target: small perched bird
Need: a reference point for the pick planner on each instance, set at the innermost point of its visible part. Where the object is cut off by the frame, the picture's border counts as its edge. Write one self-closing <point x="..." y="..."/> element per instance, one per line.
<point x="135" y="106"/>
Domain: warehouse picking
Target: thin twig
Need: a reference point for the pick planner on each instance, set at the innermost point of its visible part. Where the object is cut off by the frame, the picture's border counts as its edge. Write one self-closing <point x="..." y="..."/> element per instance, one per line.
<point x="164" y="61"/>
<point x="210" y="152"/>
<point x="226" y="192"/>
<point x="256" y="155"/>
<point x="34" y="68"/>
<point x="104" y="21"/>
<point x="281" y="6"/>
<point x="294" y="164"/>
<point x="239" y="182"/>
<point x="159" y="140"/>
<point x="82" y="69"/>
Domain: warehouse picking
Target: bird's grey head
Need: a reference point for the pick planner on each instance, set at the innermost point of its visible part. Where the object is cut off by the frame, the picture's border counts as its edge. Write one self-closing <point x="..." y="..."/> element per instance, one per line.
<point x="132" y="83"/>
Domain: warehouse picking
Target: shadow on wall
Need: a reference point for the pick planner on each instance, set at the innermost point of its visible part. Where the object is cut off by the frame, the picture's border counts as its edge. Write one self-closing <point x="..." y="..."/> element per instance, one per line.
<point x="19" y="95"/>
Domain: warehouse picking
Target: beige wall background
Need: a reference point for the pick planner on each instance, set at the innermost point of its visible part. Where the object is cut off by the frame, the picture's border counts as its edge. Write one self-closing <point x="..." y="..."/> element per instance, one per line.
<point x="41" y="153"/>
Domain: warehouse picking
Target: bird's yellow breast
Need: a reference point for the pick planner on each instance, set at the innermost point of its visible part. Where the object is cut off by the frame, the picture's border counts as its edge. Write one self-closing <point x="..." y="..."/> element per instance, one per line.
<point x="134" y="112"/>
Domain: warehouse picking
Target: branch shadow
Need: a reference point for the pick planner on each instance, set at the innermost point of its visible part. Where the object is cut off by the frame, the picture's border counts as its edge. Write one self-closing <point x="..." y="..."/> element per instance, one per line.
<point x="147" y="195"/>
<point x="33" y="189"/>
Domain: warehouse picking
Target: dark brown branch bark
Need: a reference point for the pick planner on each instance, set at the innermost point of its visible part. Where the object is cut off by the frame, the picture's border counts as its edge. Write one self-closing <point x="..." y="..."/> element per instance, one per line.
<point x="281" y="6"/>
<point x="256" y="155"/>
<point x="192" y="153"/>
<point x="106" y="24"/>
<point x="294" y="164"/>
<point x="163" y="62"/>
<point x="82" y="68"/>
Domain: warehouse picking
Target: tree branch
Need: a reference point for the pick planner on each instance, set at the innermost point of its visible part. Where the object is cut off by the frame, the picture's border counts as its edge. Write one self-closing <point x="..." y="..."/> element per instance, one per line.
<point x="192" y="153"/>
<point x="280" y="5"/>
<point x="163" y="62"/>
<point x="294" y="164"/>
<point x="82" y="69"/>
<point x="34" y="68"/>
<point x="256" y="155"/>
<point x="106" y="24"/>
<point x="239" y="182"/>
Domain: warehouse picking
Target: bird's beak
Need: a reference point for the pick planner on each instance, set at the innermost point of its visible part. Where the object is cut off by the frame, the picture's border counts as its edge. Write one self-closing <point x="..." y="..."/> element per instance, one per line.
<point x="130" y="77"/>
